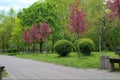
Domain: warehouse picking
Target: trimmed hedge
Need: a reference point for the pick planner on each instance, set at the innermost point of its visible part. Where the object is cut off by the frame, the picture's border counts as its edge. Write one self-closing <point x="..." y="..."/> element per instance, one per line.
<point x="86" y="46"/>
<point x="63" y="47"/>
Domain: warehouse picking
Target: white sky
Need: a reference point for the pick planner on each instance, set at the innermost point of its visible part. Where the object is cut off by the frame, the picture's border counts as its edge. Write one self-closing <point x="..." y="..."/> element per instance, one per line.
<point x="16" y="4"/>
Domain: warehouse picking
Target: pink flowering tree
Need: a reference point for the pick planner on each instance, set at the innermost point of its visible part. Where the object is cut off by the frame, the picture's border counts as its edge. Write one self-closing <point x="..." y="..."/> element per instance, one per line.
<point x="105" y="22"/>
<point x="43" y="32"/>
<point x="34" y="31"/>
<point x="113" y="10"/>
<point x="28" y="38"/>
<point x="77" y="20"/>
<point x="78" y="23"/>
<point x="36" y="34"/>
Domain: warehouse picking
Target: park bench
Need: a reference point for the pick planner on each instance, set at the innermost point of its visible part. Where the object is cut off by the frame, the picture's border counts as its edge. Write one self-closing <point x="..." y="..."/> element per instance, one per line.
<point x="1" y="69"/>
<point x="112" y="61"/>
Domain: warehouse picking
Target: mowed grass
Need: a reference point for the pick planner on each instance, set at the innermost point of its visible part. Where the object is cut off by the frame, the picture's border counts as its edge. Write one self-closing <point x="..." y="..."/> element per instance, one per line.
<point x="72" y="60"/>
<point x="4" y="73"/>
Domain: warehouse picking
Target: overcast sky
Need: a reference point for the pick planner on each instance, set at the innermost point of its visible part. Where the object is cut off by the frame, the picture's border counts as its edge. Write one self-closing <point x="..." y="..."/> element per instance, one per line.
<point x="16" y="4"/>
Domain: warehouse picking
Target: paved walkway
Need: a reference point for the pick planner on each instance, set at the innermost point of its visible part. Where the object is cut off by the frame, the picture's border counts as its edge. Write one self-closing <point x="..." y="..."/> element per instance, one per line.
<point x="35" y="70"/>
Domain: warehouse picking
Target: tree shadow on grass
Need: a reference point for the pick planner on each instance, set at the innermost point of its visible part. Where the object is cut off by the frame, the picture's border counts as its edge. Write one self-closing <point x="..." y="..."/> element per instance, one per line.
<point x="63" y="56"/>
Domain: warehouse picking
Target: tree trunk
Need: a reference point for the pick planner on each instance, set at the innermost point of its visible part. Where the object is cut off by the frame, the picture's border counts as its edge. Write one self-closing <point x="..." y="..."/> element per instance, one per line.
<point x="53" y="42"/>
<point x="41" y="43"/>
<point x="18" y="49"/>
<point x="78" y="51"/>
<point x="7" y="48"/>
<point x="22" y="49"/>
<point x="34" y="47"/>
<point x="100" y="43"/>
<point x="28" y="48"/>
<point x="3" y="46"/>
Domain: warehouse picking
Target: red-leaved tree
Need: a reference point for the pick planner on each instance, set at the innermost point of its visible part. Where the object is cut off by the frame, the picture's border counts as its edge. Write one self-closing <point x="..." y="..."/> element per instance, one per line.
<point x="44" y="30"/>
<point x="34" y="31"/>
<point x="43" y="33"/>
<point x="36" y="34"/>
<point x="114" y="9"/>
<point x="28" y="38"/>
<point x="77" y="20"/>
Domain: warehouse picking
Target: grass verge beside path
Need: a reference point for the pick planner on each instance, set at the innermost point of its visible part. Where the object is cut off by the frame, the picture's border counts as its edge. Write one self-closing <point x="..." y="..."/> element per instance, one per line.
<point x="72" y="60"/>
<point x="4" y="73"/>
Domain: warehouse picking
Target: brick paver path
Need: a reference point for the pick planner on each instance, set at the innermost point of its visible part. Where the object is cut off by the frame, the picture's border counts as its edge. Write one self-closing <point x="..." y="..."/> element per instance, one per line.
<point x="34" y="70"/>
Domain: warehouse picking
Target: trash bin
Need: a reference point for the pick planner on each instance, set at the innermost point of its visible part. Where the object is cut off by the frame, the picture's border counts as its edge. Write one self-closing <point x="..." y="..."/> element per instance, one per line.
<point x="104" y="62"/>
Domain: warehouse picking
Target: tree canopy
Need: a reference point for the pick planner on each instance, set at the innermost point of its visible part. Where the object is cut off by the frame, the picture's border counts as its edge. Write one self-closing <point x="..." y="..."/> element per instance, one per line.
<point x="46" y="21"/>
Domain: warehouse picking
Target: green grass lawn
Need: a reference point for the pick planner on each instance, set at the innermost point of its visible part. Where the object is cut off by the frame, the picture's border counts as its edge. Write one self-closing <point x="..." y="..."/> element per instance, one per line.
<point x="4" y="73"/>
<point x="72" y="60"/>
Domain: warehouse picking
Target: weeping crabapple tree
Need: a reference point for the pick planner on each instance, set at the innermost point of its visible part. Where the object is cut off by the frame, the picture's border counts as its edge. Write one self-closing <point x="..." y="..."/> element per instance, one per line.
<point x="37" y="35"/>
<point x="78" y="23"/>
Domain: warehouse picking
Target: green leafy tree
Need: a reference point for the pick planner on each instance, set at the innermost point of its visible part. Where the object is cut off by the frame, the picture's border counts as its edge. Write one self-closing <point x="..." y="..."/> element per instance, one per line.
<point x="16" y="41"/>
<point x="49" y="12"/>
<point x="6" y="24"/>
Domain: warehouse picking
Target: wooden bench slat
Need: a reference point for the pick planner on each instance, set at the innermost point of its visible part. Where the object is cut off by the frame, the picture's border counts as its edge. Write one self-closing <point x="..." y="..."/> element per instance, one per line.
<point x="112" y="61"/>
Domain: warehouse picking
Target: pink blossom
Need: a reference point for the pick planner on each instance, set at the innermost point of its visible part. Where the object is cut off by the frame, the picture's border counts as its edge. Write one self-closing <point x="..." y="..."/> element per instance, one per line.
<point x="78" y="21"/>
<point x="114" y="8"/>
<point x="37" y="34"/>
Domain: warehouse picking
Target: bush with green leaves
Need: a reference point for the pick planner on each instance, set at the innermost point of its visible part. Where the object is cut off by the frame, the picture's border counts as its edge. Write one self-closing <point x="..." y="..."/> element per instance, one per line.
<point x="63" y="47"/>
<point x="86" y="46"/>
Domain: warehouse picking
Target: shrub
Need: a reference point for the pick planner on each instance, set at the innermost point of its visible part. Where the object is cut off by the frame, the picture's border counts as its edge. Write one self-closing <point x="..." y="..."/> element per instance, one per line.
<point x="86" y="45"/>
<point x="63" y="47"/>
